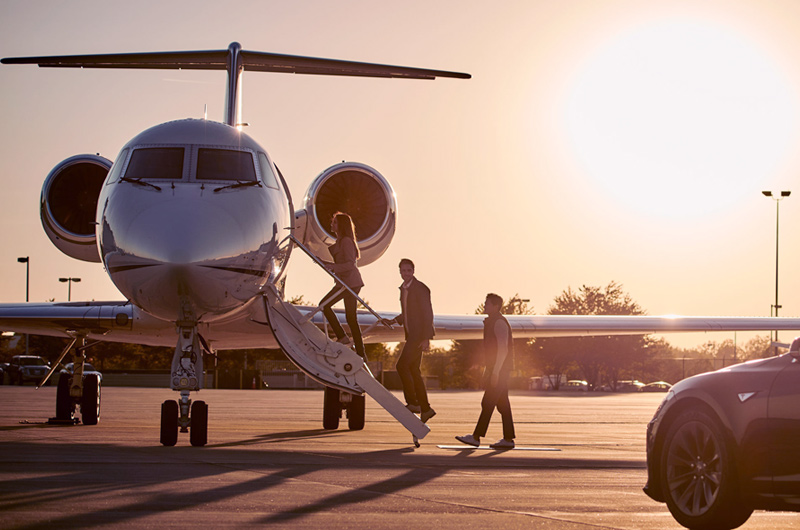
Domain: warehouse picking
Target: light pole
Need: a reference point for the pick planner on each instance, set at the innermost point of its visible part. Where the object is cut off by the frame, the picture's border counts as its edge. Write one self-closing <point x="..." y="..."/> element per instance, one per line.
<point x="27" y="261"/>
<point x="69" y="284"/>
<point x="777" y="198"/>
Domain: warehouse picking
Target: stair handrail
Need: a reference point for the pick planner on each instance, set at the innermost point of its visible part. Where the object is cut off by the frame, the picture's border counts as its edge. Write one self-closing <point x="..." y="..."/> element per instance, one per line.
<point x="380" y="319"/>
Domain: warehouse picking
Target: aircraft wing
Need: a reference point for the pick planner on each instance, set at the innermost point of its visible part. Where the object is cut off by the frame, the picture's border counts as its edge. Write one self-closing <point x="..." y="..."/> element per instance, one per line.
<point x="124" y="322"/>
<point x="107" y="321"/>
<point x="465" y="327"/>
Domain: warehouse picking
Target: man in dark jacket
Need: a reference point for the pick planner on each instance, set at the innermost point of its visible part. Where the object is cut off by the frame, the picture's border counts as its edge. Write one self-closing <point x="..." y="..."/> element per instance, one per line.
<point x="417" y="319"/>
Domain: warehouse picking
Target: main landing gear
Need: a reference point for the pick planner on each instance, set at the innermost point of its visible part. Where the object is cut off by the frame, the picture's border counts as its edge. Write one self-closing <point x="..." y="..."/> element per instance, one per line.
<point x="76" y="391"/>
<point x="186" y="376"/>
<point x="335" y="402"/>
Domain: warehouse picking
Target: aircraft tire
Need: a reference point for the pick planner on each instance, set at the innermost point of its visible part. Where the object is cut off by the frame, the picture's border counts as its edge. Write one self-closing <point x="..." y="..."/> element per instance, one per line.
<point x="331" y="409"/>
<point x="198" y="430"/>
<point x="90" y="401"/>
<point x="356" y="413"/>
<point x="169" y="423"/>
<point x="63" y="399"/>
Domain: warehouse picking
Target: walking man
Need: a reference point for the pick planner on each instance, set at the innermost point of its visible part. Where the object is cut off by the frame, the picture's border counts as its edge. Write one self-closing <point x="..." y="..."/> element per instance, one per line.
<point x="417" y="319"/>
<point x="499" y="357"/>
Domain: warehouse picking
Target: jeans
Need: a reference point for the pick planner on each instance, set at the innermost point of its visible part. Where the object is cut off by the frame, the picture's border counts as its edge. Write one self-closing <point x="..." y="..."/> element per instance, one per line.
<point x="350" y="305"/>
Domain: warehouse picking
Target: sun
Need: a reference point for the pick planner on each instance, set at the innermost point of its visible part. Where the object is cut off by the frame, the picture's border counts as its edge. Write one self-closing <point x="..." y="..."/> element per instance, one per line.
<point x="680" y="119"/>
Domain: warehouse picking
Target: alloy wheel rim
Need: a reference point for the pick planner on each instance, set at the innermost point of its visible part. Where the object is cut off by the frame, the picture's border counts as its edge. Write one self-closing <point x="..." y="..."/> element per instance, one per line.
<point x="694" y="468"/>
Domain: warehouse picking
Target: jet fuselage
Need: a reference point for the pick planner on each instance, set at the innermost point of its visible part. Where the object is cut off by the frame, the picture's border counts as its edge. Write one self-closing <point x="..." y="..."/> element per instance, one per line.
<point x="192" y="220"/>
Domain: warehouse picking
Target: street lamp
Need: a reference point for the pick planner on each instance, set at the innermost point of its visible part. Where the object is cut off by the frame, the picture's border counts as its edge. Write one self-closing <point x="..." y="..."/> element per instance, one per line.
<point x="777" y="198"/>
<point x="69" y="288"/>
<point x="27" y="261"/>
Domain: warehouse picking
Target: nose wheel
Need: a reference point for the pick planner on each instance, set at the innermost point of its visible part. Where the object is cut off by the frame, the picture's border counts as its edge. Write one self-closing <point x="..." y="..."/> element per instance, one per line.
<point x="188" y="416"/>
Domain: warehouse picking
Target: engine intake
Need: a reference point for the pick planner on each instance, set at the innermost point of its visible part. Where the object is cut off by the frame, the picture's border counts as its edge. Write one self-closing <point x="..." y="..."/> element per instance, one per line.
<point x="69" y="205"/>
<point x="357" y="190"/>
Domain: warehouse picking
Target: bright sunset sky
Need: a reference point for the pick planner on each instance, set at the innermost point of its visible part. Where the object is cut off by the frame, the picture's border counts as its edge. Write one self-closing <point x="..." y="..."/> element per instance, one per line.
<point x="597" y="141"/>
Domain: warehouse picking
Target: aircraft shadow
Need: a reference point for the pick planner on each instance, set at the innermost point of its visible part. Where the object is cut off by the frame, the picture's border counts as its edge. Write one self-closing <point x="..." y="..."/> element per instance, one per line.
<point x="76" y="475"/>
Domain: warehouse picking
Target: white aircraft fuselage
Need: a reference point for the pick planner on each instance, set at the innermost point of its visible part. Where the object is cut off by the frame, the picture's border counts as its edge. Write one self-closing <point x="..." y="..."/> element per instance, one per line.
<point x="192" y="220"/>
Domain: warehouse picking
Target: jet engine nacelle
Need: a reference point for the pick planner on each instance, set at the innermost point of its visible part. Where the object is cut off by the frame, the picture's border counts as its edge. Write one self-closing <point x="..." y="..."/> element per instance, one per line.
<point x="69" y="205"/>
<point x="355" y="189"/>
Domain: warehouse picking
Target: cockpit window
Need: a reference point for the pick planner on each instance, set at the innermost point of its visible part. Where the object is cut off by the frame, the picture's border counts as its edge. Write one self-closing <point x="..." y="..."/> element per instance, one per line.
<point x="156" y="163"/>
<point x="225" y="164"/>
<point x="116" y="169"/>
<point x="266" y="171"/>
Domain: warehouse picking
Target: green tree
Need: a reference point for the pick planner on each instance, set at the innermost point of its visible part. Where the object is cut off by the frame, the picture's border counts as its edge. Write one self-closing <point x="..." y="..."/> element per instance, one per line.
<point x="759" y="347"/>
<point x="465" y="366"/>
<point x="599" y="358"/>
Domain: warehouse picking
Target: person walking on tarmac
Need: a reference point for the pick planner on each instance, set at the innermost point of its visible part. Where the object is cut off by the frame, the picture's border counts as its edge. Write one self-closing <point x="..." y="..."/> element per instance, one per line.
<point x="416" y="316"/>
<point x="345" y="254"/>
<point x="499" y="358"/>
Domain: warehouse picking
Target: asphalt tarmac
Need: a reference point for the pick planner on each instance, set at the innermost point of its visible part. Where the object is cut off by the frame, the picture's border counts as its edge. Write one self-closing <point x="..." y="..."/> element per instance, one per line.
<point x="269" y="462"/>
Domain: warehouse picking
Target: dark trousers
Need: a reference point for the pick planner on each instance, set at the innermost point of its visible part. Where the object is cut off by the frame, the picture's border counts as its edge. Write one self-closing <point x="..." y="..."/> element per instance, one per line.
<point x="408" y="369"/>
<point x="350" y="305"/>
<point x="496" y="397"/>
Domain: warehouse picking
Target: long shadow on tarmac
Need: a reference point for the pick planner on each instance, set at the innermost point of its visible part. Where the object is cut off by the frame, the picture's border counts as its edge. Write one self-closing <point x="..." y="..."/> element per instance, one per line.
<point x="72" y="475"/>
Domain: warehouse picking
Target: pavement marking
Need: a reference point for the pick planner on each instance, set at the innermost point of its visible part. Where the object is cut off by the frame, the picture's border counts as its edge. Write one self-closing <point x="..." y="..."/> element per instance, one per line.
<point x="487" y="448"/>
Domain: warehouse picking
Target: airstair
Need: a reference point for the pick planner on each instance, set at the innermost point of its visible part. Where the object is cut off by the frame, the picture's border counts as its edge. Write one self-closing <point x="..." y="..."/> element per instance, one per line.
<point x="328" y="362"/>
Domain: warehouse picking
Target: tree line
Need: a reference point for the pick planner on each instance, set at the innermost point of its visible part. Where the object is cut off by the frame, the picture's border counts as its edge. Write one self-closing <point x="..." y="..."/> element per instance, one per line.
<point x="600" y="361"/>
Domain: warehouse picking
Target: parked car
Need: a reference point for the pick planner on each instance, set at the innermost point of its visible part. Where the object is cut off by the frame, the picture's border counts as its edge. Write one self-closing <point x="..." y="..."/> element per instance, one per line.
<point x="658" y="386"/>
<point x="725" y="443"/>
<point x="87" y="369"/>
<point x="24" y="368"/>
<point x="575" y="385"/>
<point x="3" y="371"/>
<point x="629" y="386"/>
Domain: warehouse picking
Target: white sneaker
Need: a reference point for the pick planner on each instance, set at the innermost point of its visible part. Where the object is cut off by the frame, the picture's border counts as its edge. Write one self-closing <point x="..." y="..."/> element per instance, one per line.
<point x="469" y="440"/>
<point x="503" y="444"/>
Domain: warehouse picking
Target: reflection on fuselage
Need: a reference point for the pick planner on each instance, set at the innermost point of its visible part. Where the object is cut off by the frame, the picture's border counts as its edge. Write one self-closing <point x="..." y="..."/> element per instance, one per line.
<point x="188" y="228"/>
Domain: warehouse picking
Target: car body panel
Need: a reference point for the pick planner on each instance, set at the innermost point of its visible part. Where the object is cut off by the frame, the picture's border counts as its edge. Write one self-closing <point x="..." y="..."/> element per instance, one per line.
<point x="757" y="404"/>
<point x="23" y="368"/>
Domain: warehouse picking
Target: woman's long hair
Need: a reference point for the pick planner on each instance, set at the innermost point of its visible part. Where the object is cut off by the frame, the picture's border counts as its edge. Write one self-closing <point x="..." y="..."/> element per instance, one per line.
<point x="346" y="229"/>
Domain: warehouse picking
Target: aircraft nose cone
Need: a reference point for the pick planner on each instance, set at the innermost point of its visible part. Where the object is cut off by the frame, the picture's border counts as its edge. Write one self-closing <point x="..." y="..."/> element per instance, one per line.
<point x="186" y="234"/>
<point x="192" y="257"/>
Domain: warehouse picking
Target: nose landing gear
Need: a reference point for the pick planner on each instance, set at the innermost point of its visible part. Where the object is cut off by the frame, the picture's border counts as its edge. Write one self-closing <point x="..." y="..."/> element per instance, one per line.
<point x="186" y="376"/>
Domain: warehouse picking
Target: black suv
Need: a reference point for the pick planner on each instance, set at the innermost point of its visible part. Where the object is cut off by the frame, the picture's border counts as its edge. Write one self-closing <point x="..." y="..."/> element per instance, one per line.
<point x="725" y="443"/>
<point x="24" y="368"/>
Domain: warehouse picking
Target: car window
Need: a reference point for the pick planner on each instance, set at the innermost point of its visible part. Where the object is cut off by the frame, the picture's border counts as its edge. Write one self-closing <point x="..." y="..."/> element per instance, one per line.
<point x="225" y="164"/>
<point x="156" y="163"/>
<point x="31" y="360"/>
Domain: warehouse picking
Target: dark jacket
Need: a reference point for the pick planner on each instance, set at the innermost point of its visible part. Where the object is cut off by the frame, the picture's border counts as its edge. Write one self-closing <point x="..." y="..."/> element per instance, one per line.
<point x="417" y="313"/>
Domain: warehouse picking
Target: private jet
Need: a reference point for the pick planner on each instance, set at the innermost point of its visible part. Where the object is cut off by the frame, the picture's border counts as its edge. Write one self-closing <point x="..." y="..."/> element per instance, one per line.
<point x="194" y="224"/>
